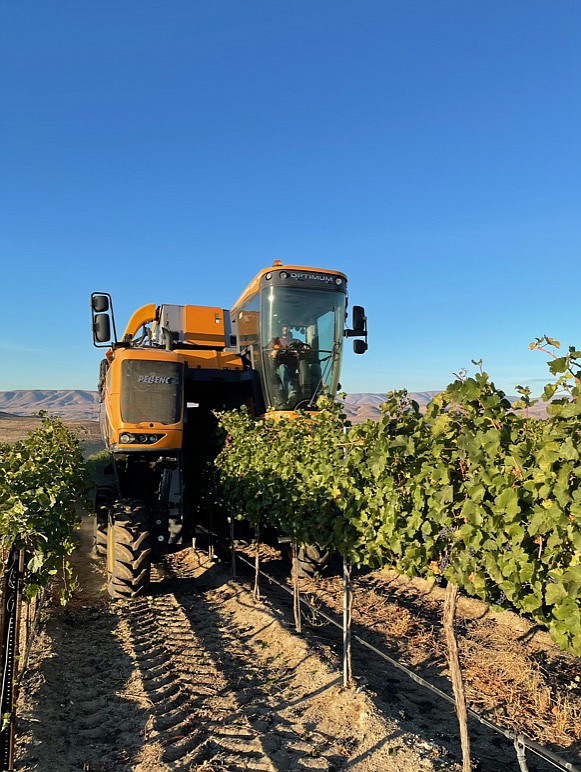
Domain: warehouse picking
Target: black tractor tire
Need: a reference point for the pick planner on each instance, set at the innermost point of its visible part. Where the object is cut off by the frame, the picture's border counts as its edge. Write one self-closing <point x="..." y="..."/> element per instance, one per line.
<point x="104" y="498"/>
<point x="311" y="561"/>
<point x="128" y="549"/>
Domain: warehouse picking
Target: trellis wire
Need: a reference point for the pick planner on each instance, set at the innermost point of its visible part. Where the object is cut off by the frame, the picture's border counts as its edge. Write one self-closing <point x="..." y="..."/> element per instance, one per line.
<point x="523" y="741"/>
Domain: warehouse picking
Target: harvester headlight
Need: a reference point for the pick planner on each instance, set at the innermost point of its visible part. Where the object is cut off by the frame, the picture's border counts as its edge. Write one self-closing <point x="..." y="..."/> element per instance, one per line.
<point x="283" y="275"/>
<point x="338" y="281"/>
<point x="127" y="438"/>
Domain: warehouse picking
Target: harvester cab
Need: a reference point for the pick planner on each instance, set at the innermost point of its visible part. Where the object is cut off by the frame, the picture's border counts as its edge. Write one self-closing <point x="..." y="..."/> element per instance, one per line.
<point x="290" y="323"/>
<point x="161" y="382"/>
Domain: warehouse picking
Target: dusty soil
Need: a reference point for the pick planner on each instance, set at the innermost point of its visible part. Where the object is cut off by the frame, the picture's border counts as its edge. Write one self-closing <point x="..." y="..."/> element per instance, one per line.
<point x="201" y="675"/>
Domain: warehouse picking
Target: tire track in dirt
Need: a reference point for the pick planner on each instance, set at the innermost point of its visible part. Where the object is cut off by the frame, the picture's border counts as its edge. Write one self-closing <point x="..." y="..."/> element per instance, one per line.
<point x="396" y="695"/>
<point x="195" y="714"/>
<point x="198" y="675"/>
<point x="76" y="710"/>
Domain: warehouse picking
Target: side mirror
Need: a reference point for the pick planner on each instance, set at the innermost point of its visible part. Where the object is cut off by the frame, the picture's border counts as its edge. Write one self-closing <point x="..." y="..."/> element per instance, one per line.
<point x="359" y="320"/>
<point x="359" y="330"/>
<point x="100" y="303"/>
<point x="104" y="332"/>
<point x="102" y="328"/>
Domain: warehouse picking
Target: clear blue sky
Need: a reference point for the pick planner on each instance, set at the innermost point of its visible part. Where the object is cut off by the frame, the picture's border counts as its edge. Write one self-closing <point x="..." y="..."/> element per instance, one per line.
<point x="165" y="151"/>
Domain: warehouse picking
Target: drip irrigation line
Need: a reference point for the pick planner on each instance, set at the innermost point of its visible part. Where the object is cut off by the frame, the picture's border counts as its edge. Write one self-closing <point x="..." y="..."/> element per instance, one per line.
<point x="520" y="741"/>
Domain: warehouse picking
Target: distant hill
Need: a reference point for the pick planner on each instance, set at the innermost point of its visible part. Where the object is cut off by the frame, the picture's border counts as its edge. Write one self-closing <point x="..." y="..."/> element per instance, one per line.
<point x="84" y="405"/>
<point x="66" y="403"/>
<point x="360" y="407"/>
<point x="81" y="405"/>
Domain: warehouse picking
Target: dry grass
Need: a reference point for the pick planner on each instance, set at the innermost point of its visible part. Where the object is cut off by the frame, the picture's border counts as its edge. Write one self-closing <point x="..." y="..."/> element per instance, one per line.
<point x="518" y="679"/>
<point x="504" y="680"/>
<point x="266" y="554"/>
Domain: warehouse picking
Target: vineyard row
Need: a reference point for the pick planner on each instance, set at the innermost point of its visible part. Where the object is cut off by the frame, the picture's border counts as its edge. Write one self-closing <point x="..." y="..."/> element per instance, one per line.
<point x="470" y="491"/>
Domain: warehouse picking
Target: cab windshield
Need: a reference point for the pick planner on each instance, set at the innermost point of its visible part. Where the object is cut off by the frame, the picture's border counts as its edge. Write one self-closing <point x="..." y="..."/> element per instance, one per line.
<point x="301" y="338"/>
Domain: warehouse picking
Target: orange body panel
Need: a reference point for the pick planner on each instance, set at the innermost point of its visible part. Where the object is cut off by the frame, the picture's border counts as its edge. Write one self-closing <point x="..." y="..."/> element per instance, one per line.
<point x="138" y="318"/>
<point x="210" y="360"/>
<point x="112" y="406"/>
<point x="173" y="433"/>
<point x="204" y="326"/>
<point x="190" y="326"/>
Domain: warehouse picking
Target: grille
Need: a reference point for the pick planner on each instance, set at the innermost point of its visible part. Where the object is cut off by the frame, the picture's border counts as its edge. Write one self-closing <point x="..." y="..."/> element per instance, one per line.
<point x="151" y="392"/>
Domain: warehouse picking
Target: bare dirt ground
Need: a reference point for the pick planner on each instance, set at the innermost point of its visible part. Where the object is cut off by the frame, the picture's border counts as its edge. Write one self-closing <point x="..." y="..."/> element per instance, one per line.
<point x="201" y="675"/>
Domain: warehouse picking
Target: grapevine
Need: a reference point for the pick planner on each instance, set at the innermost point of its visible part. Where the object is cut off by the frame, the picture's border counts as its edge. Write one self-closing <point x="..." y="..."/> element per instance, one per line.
<point x="471" y="491"/>
<point x="42" y="479"/>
